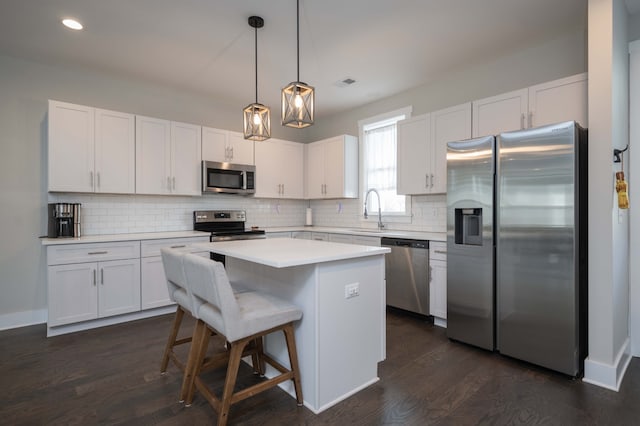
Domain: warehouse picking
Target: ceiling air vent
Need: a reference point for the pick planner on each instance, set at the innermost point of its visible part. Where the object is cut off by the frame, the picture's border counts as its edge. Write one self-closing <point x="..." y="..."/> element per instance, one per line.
<point x="346" y="82"/>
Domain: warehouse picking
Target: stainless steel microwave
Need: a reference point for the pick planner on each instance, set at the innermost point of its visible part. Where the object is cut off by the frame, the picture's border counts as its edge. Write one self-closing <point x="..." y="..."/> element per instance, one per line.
<point x="228" y="178"/>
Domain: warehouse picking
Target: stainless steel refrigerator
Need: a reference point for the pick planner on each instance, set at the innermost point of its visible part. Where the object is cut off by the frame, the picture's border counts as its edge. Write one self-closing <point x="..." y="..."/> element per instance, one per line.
<point x="517" y="244"/>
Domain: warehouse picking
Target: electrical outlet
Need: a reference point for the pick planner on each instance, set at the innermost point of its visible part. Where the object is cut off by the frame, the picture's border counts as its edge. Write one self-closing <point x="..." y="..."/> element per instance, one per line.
<point x="351" y="290"/>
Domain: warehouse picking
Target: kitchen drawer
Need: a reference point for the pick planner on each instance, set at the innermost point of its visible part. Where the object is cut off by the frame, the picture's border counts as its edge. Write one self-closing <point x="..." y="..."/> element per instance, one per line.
<point x="150" y="248"/>
<point x="95" y="252"/>
<point x="437" y="250"/>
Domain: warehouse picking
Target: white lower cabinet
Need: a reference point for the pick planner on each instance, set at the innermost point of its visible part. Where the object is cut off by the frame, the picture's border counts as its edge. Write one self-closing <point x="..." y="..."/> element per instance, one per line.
<point x="438" y="282"/>
<point x="89" y="281"/>
<point x="283" y="234"/>
<point x="95" y="284"/>
<point x="154" y="292"/>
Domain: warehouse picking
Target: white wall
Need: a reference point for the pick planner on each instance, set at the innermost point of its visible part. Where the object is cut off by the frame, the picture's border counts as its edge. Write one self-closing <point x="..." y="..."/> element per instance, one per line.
<point x="608" y="228"/>
<point x="561" y="57"/>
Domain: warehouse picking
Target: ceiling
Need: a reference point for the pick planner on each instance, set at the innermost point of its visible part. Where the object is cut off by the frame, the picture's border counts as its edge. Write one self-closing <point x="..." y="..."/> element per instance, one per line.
<point x="206" y="46"/>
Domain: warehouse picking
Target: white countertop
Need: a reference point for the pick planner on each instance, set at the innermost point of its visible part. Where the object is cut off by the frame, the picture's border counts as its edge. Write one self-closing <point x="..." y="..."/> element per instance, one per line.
<point x="393" y="233"/>
<point x="123" y="237"/>
<point x="286" y="252"/>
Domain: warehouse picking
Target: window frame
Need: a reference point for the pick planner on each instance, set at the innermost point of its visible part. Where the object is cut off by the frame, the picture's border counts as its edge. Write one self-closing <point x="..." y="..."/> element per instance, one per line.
<point x="404" y="217"/>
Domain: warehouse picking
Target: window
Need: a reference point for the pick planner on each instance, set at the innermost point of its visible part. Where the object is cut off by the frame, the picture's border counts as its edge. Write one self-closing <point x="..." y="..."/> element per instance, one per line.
<point x="379" y="163"/>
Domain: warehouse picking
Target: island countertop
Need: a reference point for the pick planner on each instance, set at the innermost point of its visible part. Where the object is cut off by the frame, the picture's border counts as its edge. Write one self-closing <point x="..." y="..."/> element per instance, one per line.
<point x="287" y="252"/>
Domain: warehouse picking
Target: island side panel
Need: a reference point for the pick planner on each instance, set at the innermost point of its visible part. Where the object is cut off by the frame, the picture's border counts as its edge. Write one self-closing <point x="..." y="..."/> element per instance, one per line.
<point x="297" y="285"/>
<point x="351" y="330"/>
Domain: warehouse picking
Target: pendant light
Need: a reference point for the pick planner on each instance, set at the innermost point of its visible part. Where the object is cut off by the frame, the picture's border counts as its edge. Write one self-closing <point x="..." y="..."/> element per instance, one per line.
<point x="297" y="97"/>
<point x="257" y="117"/>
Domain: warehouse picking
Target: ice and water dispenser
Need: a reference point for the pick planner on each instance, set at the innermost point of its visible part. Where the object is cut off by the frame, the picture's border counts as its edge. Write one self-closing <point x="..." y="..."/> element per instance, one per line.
<point x="468" y="226"/>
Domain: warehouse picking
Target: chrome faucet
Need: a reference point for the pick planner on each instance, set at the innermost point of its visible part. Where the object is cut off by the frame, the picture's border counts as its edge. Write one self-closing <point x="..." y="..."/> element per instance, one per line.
<point x="366" y="215"/>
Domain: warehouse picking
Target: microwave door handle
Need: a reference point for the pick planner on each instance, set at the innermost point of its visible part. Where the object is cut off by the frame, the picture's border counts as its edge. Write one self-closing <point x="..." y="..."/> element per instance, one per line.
<point x="244" y="179"/>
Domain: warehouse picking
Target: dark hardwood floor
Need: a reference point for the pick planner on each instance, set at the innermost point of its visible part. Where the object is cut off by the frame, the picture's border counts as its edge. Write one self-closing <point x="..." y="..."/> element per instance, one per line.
<point x="110" y="376"/>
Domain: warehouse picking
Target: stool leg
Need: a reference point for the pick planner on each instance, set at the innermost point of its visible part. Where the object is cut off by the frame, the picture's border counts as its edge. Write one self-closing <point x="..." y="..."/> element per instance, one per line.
<point x="293" y="361"/>
<point x="197" y="353"/>
<point x="232" y="374"/>
<point x="173" y="333"/>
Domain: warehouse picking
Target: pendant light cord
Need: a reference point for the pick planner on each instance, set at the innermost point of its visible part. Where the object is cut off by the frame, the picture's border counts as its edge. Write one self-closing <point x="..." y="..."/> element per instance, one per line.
<point x="256" y="52"/>
<point x="298" y="34"/>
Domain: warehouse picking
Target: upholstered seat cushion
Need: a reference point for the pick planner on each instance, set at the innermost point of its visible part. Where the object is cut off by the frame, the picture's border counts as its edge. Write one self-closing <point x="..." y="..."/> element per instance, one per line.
<point x="258" y="312"/>
<point x="182" y="298"/>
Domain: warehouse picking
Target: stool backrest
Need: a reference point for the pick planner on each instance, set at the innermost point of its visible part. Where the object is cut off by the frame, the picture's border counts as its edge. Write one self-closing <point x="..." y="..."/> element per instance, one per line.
<point x="209" y="285"/>
<point x="173" y="270"/>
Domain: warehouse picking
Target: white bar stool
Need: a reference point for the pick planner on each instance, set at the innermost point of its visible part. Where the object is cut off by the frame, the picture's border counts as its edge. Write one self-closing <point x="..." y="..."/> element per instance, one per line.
<point x="241" y="318"/>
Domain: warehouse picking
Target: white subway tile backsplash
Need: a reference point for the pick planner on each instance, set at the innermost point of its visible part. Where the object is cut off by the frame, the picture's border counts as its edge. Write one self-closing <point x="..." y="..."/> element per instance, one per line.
<point x="117" y="214"/>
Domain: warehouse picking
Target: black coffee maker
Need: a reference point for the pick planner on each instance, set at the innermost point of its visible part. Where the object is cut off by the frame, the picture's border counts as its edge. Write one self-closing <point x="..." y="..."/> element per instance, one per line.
<point x="64" y="220"/>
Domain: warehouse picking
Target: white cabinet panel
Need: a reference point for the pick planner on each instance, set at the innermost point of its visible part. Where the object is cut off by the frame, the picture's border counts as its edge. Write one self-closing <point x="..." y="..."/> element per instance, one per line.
<point x="154" y="291"/>
<point x="72" y="293"/>
<point x="71" y="147"/>
<point x="414" y="146"/>
<point x="332" y="168"/>
<point x="340" y="238"/>
<point x="502" y="113"/>
<point x="153" y="156"/>
<point x="279" y="169"/>
<point x="185" y="159"/>
<point x="278" y="234"/>
<point x="115" y="152"/>
<point x="559" y="100"/>
<point x="119" y="287"/>
<point x="438" y="282"/>
<point x="225" y="146"/>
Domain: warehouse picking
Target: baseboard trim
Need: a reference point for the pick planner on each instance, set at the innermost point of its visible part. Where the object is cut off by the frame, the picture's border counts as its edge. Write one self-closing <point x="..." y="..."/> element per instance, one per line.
<point x="440" y="322"/>
<point x="605" y="375"/>
<point x="22" y="319"/>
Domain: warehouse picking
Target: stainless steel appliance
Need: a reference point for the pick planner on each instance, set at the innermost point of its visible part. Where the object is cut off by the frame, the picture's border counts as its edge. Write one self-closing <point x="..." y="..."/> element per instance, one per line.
<point x="224" y="225"/>
<point x="228" y="178"/>
<point x="516" y="273"/>
<point x="63" y="220"/>
<point x="407" y="274"/>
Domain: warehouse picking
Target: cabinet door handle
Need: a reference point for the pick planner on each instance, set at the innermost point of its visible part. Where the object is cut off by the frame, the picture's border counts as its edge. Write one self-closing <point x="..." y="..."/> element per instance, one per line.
<point x="231" y="156"/>
<point x="440" y="252"/>
<point x="430" y="274"/>
<point x="226" y="152"/>
<point x="98" y="252"/>
<point x="283" y="189"/>
<point x="174" y="182"/>
<point x="169" y="183"/>
<point x="431" y="180"/>
<point x="102" y="276"/>
<point x="91" y="179"/>
<point x="426" y="181"/>
<point x="522" y="121"/>
<point x="94" y="277"/>
<point x="179" y="246"/>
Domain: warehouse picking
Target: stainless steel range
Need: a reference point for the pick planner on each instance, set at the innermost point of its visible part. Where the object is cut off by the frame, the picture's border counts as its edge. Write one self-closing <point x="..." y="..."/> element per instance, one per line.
<point x="225" y="225"/>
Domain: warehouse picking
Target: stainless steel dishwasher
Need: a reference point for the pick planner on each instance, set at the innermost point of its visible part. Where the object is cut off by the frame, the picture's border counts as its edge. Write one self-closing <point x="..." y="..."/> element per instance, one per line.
<point x="407" y="274"/>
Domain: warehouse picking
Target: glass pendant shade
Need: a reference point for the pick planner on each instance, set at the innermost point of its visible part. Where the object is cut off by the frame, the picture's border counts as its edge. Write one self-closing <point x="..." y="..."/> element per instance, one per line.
<point x="257" y="122"/>
<point x="297" y="105"/>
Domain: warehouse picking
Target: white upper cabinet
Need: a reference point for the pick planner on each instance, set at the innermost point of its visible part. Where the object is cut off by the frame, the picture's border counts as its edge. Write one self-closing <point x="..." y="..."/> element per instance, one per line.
<point x="279" y="169"/>
<point x="225" y="146"/>
<point x="185" y="159"/>
<point x="90" y="150"/>
<point x="332" y="168"/>
<point x="153" y="155"/>
<point x="447" y="125"/>
<point x="422" y="148"/>
<point x="414" y="147"/>
<point x="552" y="102"/>
<point x="501" y="113"/>
<point x="559" y="100"/>
<point x="115" y="152"/>
<point x="168" y="157"/>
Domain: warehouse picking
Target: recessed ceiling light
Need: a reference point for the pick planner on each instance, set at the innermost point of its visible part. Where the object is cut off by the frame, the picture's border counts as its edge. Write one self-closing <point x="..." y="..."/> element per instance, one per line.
<point x="72" y="23"/>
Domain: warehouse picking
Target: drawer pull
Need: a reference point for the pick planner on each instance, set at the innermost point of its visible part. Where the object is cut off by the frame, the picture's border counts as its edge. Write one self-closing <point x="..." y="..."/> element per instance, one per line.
<point x="440" y="252"/>
<point x="179" y="246"/>
<point x="94" y="277"/>
<point x="98" y="252"/>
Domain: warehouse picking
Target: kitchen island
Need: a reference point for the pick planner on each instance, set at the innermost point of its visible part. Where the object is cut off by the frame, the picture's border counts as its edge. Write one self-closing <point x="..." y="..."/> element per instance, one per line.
<point x="341" y="291"/>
